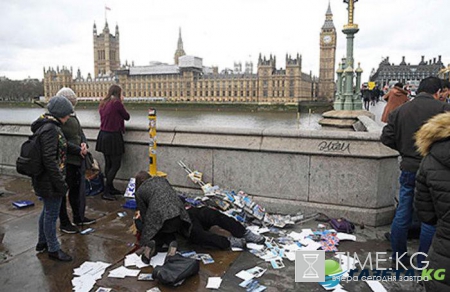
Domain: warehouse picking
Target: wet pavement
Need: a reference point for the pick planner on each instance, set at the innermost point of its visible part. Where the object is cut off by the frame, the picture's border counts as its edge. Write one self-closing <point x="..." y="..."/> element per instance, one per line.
<point x="23" y="269"/>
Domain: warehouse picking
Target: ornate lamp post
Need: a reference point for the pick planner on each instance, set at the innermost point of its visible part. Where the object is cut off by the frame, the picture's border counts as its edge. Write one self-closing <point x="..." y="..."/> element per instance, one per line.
<point x="349" y="99"/>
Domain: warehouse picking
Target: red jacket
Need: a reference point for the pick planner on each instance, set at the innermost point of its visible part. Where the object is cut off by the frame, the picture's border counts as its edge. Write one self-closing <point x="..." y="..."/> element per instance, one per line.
<point x="112" y="116"/>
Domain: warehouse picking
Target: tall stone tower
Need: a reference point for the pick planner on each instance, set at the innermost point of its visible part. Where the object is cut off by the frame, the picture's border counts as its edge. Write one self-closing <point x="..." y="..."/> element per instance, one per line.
<point x="327" y="58"/>
<point x="179" y="52"/>
<point x="106" y="51"/>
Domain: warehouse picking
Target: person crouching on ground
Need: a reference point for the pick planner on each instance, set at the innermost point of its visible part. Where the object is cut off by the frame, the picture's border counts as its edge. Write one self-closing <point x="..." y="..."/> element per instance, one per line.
<point x="50" y="185"/>
<point x="432" y="194"/>
<point x="163" y="215"/>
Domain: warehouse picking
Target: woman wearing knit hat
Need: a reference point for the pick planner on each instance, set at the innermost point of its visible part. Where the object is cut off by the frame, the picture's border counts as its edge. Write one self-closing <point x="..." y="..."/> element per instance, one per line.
<point x="74" y="170"/>
<point x="50" y="184"/>
<point x="110" y="138"/>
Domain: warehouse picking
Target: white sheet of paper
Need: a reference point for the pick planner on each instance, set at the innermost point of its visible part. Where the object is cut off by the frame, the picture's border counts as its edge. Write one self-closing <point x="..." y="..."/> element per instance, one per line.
<point x="214" y="283"/>
<point x="263" y="230"/>
<point x="88" y="273"/>
<point x="306" y="241"/>
<point x="290" y="255"/>
<point x="345" y="236"/>
<point x="134" y="260"/>
<point x="122" y="272"/>
<point x="256" y="271"/>
<point x="292" y="247"/>
<point x="307" y="231"/>
<point x="158" y="259"/>
<point x="253" y="228"/>
<point x="376" y="286"/>
<point x="296" y="235"/>
<point x="83" y="284"/>
<point x="312" y="246"/>
<point x="244" y="275"/>
<point x="255" y="246"/>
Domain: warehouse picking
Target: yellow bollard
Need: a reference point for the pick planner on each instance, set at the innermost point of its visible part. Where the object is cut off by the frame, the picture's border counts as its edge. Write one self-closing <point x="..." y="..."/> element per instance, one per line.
<point x="152" y="168"/>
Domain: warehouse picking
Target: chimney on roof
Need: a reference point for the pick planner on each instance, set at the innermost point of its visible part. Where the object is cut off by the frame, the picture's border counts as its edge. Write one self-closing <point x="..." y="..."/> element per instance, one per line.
<point x="434" y="60"/>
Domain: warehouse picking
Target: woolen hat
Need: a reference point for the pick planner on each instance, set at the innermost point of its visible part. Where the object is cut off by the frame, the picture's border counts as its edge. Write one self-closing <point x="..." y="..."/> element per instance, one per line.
<point x="69" y="94"/>
<point x="59" y="107"/>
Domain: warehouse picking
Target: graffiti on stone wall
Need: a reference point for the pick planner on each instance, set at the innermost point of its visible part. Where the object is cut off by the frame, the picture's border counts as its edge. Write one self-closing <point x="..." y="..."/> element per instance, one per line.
<point x="334" y="146"/>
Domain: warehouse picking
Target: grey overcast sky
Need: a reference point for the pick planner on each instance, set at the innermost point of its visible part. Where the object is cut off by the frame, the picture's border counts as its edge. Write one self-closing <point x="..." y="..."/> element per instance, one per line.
<point x="38" y="33"/>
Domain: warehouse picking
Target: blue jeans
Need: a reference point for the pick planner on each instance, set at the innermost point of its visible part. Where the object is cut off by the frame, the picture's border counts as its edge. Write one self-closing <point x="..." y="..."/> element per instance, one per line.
<point x="403" y="218"/>
<point x="47" y="223"/>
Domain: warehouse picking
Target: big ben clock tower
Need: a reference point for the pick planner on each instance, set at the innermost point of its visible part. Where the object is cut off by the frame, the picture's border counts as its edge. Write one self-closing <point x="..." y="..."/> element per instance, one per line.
<point x="327" y="58"/>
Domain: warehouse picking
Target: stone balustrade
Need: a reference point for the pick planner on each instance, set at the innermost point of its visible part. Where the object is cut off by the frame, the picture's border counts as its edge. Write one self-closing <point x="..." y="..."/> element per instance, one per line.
<point x="341" y="174"/>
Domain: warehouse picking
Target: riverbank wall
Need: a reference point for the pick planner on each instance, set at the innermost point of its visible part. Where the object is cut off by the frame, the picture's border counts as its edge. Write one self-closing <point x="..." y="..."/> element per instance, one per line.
<point x="341" y="174"/>
<point x="314" y="107"/>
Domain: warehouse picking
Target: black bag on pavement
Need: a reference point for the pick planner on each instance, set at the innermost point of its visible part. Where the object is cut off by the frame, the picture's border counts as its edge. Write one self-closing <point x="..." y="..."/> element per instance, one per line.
<point x="176" y="269"/>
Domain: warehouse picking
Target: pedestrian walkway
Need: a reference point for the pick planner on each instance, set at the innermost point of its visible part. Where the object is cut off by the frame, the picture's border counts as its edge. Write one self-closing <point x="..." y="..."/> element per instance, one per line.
<point x="377" y="110"/>
<point x="22" y="269"/>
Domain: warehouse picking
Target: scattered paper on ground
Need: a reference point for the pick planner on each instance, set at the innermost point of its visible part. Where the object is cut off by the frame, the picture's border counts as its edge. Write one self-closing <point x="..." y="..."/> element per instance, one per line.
<point x="134" y="260"/>
<point x="255" y="246"/>
<point x="158" y="259"/>
<point x="214" y="283"/>
<point x="244" y="275"/>
<point x="345" y="236"/>
<point x="122" y="272"/>
<point x="89" y="273"/>
<point x="376" y="286"/>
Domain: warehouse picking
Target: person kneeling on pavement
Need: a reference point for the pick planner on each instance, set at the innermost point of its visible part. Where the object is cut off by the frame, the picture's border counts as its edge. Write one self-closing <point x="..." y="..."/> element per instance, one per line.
<point x="162" y="214"/>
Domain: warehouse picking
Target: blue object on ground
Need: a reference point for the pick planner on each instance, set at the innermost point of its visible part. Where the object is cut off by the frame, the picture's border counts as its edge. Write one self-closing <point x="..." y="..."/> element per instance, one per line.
<point x="130" y="204"/>
<point x="23" y="204"/>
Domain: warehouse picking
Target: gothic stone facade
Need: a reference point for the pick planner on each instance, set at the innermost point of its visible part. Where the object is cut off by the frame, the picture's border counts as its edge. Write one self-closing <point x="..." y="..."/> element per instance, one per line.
<point x="188" y="80"/>
<point x="405" y="72"/>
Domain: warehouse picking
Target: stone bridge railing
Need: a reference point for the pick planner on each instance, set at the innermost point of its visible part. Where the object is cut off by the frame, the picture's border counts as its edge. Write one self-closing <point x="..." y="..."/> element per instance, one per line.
<point x="342" y="174"/>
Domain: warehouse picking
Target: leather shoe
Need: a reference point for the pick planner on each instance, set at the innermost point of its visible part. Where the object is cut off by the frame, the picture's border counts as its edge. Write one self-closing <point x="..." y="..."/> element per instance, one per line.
<point x="41" y="247"/>
<point x="60" y="256"/>
<point x="149" y="252"/>
<point x="108" y="197"/>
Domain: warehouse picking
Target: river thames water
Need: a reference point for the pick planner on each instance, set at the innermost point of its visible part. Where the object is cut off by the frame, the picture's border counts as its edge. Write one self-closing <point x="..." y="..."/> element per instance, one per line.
<point x="195" y="118"/>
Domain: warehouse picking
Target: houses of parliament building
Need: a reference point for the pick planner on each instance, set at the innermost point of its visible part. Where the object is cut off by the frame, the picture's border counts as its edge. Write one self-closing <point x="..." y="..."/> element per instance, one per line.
<point x="187" y="80"/>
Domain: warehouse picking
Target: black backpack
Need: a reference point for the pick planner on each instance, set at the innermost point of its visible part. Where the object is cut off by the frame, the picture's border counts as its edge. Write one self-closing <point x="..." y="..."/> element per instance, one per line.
<point x="176" y="269"/>
<point x="30" y="161"/>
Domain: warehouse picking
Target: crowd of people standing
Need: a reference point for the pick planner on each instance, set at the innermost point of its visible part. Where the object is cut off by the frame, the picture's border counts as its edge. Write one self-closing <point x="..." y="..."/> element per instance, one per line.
<point x="63" y="148"/>
<point x="417" y="129"/>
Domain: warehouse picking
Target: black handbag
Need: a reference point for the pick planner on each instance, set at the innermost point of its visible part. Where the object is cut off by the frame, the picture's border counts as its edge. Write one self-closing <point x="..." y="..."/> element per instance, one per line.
<point x="176" y="269"/>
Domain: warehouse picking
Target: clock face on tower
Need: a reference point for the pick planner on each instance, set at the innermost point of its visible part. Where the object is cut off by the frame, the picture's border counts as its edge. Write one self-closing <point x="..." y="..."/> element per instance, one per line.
<point x="327" y="39"/>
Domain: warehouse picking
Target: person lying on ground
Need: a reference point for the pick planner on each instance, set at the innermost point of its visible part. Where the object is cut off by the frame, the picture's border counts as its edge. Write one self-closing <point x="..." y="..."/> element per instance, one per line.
<point x="162" y="214"/>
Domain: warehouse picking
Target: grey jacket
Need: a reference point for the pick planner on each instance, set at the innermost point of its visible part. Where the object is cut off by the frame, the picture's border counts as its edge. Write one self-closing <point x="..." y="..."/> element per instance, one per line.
<point x="157" y="202"/>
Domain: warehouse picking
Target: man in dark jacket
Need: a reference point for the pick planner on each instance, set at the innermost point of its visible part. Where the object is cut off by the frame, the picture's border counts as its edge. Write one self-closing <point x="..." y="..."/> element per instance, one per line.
<point x="432" y="196"/>
<point x="50" y="185"/>
<point x="74" y="170"/>
<point x="398" y="134"/>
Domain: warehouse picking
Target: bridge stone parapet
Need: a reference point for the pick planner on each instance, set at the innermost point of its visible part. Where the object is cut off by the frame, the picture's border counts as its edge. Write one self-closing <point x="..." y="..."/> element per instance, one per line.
<point x="339" y="173"/>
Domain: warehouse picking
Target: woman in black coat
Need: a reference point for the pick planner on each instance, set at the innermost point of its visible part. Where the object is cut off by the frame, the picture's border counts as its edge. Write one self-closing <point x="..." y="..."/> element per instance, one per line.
<point x="432" y="195"/>
<point x="50" y="185"/>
